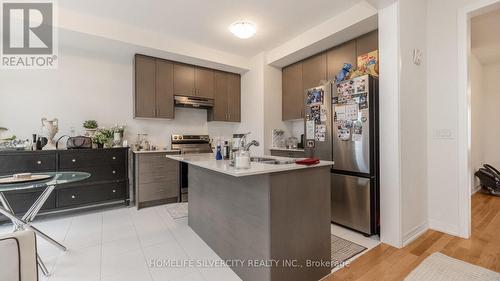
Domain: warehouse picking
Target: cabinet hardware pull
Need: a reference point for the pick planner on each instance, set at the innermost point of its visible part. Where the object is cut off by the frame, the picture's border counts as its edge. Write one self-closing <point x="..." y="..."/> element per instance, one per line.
<point x="73" y="160"/>
<point x="39" y="162"/>
<point x="114" y="172"/>
<point x="114" y="190"/>
<point x="73" y="196"/>
<point x="114" y="157"/>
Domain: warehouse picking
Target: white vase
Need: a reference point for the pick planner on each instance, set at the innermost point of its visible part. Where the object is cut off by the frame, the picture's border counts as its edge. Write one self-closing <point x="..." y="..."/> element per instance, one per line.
<point x="50" y="128"/>
<point x="90" y="132"/>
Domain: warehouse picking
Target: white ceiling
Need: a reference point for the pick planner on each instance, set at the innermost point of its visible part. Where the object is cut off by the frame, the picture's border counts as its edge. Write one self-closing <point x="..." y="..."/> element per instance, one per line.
<point x="485" y="39"/>
<point x="205" y="22"/>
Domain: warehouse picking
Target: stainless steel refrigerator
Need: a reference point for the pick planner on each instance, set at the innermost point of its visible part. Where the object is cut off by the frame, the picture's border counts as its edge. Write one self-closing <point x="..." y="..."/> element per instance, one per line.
<point x="341" y="124"/>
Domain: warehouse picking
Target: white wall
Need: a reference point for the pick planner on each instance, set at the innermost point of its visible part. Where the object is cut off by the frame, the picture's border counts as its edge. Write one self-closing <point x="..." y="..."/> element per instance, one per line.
<point x="90" y="85"/>
<point x="478" y="107"/>
<point x="252" y="102"/>
<point x="272" y="105"/>
<point x="413" y="116"/>
<point x="490" y="131"/>
<point x="390" y="155"/>
<point x="444" y="199"/>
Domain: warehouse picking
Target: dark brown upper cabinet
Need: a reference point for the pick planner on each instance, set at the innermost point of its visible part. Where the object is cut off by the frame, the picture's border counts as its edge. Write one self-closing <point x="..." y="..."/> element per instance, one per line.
<point x="227" y="98"/>
<point x="204" y="82"/>
<point x="234" y="97"/>
<point x="153" y="88"/>
<point x="158" y="80"/>
<point x="367" y="43"/>
<point x="336" y="57"/>
<point x="314" y="71"/>
<point x="184" y="80"/>
<point x="164" y="89"/>
<point x="145" y="71"/>
<point x="320" y="68"/>
<point x="193" y="81"/>
<point x="293" y="92"/>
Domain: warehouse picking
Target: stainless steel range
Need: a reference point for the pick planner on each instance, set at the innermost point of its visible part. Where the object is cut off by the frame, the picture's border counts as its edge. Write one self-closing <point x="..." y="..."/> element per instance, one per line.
<point x="189" y="144"/>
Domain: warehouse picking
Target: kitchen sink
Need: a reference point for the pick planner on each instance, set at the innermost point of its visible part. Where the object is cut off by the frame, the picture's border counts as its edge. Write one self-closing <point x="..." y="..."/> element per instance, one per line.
<point x="272" y="161"/>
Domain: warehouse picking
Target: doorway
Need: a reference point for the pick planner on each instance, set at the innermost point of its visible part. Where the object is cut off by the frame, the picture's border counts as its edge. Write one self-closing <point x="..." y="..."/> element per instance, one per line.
<point x="479" y="59"/>
<point x="484" y="69"/>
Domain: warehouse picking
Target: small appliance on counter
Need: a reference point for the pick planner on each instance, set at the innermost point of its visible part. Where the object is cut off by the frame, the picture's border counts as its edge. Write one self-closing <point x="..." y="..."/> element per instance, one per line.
<point x="189" y="144"/>
<point x="301" y="143"/>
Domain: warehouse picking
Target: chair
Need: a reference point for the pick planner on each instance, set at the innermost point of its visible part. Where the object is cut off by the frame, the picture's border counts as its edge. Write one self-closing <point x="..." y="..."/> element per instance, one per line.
<point x="18" y="256"/>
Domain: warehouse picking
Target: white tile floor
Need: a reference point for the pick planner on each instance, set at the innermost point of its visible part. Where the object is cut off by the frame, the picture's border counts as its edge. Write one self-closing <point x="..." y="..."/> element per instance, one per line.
<point x="119" y="245"/>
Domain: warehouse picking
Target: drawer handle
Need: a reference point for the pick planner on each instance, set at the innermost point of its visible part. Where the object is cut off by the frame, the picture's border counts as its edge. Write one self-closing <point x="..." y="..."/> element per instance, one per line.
<point x="73" y="196"/>
<point x="39" y="162"/>
<point x="114" y="190"/>
<point x="114" y="172"/>
<point x="73" y="160"/>
<point x="114" y="157"/>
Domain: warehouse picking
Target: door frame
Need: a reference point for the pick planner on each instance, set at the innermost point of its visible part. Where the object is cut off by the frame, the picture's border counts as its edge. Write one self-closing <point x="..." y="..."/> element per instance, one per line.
<point x="464" y="110"/>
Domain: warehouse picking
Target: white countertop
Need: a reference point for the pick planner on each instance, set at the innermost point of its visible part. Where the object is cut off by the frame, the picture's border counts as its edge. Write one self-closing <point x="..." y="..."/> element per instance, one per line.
<point x="287" y="149"/>
<point x="207" y="161"/>
<point x="156" y="151"/>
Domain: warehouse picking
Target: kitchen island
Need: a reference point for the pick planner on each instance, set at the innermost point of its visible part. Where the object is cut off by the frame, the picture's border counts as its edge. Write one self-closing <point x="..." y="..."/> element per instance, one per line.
<point x="269" y="222"/>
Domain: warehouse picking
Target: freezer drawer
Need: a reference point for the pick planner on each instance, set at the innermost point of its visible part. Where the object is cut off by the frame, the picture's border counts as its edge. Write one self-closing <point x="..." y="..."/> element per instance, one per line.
<point x="351" y="202"/>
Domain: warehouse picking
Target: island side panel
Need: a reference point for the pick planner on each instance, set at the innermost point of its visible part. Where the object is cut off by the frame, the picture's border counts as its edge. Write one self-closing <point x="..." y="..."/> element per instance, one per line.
<point x="300" y="222"/>
<point x="231" y="214"/>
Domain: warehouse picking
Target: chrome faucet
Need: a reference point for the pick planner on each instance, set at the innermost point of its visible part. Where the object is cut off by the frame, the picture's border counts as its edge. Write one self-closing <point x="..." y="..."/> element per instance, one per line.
<point x="247" y="146"/>
<point x="243" y="142"/>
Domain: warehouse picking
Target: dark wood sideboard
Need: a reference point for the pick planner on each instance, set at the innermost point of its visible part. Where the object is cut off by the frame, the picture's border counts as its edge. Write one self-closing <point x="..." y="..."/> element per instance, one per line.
<point x="108" y="183"/>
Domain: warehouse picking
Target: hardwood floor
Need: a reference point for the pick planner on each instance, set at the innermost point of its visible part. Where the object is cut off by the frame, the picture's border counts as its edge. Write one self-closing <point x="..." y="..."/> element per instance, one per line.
<point x="388" y="263"/>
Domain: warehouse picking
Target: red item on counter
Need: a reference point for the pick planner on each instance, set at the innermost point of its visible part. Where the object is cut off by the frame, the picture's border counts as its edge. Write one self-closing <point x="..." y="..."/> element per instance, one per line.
<point x="308" y="161"/>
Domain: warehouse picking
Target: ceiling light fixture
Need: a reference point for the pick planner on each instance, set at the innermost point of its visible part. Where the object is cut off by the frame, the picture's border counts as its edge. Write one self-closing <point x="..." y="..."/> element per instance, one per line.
<point x="243" y="29"/>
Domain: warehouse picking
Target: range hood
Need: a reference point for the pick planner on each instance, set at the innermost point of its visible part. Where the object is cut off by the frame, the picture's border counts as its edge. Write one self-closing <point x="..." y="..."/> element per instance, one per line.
<point x="194" y="102"/>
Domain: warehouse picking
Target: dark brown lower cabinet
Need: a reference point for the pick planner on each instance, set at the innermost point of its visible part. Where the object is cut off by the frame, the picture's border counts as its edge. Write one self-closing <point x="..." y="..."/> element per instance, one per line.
<point x="108" y="182"/>
<point x="156" y="179"/>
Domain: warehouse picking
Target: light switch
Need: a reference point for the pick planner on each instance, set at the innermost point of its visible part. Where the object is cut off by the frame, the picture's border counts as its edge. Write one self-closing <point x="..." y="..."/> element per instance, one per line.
<point x="443" y="134"/>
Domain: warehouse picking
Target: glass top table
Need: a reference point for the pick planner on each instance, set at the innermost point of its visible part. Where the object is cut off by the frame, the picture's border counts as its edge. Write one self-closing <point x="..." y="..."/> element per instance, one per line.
<point x="56" y="178"/>
<point x="47" y="186"/>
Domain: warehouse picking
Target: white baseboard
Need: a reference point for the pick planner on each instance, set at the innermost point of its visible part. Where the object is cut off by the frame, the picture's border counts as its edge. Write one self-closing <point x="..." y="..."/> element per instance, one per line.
<point x="413" y="234"/>
<point x="444" y="227"/>
<point x="476" y="189"/>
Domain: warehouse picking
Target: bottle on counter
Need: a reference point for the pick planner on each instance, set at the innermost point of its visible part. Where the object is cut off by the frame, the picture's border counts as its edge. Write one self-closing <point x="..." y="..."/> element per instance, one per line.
<point x="39" y="143"/>
<point x="227" y="149"/>
<point x="33" y="142"/>
<point x="218" y="154"/>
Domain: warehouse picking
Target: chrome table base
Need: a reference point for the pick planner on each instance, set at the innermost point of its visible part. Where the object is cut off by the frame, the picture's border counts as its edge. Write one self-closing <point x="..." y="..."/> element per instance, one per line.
<point x="25" y="221"/>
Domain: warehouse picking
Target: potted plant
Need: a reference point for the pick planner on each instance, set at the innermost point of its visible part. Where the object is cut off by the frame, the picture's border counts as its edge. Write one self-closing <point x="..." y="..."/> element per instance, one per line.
<point x="90" y="127"/>
<point x="103" y="138"/>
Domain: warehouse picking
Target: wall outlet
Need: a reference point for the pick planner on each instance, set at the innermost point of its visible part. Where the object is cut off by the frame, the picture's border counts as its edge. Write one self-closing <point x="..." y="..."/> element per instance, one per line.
<point x="447" y="134"/>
